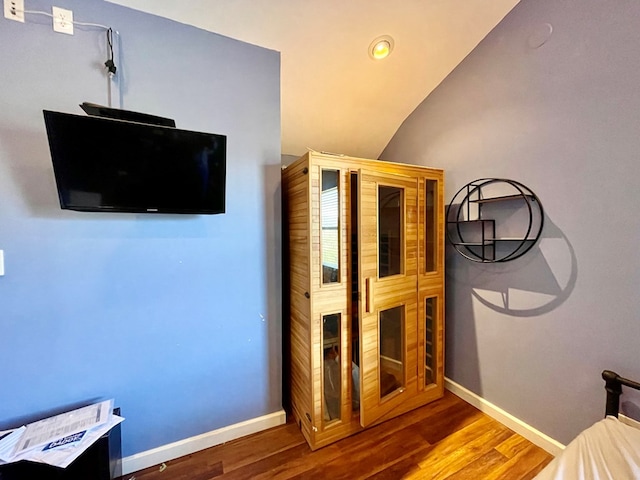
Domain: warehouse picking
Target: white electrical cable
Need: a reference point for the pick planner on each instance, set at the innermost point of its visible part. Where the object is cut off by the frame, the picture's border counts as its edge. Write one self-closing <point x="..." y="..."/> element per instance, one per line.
<point x="83" y="24"/>
<point x="36" y="12"/>
<point x="90" y="25"/>
<point x="50" y="15"/>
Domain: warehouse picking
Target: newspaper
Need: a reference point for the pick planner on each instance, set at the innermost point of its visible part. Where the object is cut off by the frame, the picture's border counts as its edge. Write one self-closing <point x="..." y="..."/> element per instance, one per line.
<point x="60" y="439"/>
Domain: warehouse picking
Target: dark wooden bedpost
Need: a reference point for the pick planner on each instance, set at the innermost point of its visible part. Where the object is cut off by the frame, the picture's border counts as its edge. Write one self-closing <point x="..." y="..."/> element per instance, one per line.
<point x="613" y="386"/>
<point x="614" y="390"/>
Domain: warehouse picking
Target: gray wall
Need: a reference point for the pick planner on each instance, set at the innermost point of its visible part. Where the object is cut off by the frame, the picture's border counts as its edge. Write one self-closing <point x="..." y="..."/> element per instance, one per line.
<point x="177" y="317"/>
<point x="533" y="335"/>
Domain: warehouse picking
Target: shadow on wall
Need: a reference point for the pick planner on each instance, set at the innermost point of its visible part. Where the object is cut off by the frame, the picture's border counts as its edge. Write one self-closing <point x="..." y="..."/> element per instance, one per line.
<point x="532" y="285"/>
<point x="273" y="281"/>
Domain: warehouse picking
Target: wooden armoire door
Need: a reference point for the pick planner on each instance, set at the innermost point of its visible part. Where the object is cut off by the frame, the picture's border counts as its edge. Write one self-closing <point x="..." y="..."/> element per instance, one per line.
<point x="388" y="276"/>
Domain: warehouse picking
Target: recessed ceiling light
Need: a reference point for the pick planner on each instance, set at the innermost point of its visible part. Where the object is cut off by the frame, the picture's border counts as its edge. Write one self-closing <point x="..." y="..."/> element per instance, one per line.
<point x="381" y="47"/>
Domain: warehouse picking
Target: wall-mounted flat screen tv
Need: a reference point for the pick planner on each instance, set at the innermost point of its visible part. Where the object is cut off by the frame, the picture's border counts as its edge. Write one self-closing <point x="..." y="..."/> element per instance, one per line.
<point x="109" y="165"/>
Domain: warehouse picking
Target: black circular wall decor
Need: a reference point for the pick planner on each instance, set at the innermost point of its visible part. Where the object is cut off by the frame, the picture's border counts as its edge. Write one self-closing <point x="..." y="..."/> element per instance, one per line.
<point x="494" y="220"/>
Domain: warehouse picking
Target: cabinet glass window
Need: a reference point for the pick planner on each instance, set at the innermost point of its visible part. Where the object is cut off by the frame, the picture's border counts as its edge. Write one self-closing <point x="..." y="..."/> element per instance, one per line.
<point x="390" y="241"/>
<point x="332" y="384"/>
<point x="391" y="360"/>
<point x="329" y="226"/>
<point x="431" y="310"/>
<point x="431" y="225"/>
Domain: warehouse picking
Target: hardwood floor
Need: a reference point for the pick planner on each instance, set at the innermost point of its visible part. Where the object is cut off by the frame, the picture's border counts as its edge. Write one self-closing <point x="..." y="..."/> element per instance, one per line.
<point x="447" y="439"/>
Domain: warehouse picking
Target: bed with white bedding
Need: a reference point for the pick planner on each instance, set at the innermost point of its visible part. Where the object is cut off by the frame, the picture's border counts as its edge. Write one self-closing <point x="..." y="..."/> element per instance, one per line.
<point x="609" y="449"/>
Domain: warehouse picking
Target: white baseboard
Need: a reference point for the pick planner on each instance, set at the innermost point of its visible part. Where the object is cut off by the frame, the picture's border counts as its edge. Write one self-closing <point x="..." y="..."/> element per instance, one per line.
<point x="157" y="456"/>
<point x="527" y="431"/>
<point x="171" y="451"/>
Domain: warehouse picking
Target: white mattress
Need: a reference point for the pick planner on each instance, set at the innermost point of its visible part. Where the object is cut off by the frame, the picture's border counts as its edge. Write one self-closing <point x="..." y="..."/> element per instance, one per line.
<point x="609" y="449"/>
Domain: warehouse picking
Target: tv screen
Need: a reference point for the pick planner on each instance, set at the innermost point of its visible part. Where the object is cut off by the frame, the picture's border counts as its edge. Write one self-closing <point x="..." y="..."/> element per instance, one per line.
<point x="110" y="165"/>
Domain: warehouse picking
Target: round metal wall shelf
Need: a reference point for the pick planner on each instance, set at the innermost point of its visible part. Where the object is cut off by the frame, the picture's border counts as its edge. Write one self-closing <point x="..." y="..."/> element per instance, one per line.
<point x="494" y="220"/>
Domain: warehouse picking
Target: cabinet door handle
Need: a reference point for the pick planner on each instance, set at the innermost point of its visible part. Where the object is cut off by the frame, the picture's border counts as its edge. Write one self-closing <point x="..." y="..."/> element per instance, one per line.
<point x="367" y="292"/>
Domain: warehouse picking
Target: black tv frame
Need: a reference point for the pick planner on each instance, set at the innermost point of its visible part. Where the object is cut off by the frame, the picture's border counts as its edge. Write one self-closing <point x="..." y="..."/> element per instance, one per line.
<point x="213" y="200"/>
<point x="96" y="110"/>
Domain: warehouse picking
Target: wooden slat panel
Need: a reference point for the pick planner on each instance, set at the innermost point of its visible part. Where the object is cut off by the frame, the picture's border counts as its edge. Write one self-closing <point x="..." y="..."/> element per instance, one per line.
<point x="385" y="293"/>
<point x="305" y="270"/>
<point x="296" y="202"/>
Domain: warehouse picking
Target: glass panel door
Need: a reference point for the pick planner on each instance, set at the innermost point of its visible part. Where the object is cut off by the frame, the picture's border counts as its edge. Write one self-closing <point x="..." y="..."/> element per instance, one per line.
<point x="330" y="226"/>
<point x="431" y="225"/>
<point x="332" y="382"/>
<point x="431" y="337"/>
<point x="430" y="344"/>
<point x="391" y="359"/>
<point x="388" y="272"/>
<point x="390" y="230"/>
<point x="430" y="282"/>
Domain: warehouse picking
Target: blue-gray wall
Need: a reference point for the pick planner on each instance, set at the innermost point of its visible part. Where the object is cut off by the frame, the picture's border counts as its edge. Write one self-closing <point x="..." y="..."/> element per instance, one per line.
<point x="533" y="335"/>
<point x="176" y="317"/>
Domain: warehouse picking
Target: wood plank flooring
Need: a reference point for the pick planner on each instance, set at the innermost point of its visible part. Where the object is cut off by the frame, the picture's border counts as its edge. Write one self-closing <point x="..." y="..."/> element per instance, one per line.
<point x="447" y="439"/>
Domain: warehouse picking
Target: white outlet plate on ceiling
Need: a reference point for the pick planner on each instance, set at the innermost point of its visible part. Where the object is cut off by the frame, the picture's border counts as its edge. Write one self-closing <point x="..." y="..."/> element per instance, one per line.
<point x="62" y="20"/>
<point x="14" y="10"/>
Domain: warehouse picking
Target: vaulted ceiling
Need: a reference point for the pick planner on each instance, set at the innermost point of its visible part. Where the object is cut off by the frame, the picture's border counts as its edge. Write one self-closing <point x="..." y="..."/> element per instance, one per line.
<point x="334" y="96"/>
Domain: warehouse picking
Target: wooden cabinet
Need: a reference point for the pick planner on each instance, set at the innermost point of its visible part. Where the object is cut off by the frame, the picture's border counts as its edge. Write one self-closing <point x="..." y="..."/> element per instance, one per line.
<point x="364" y="288"/>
